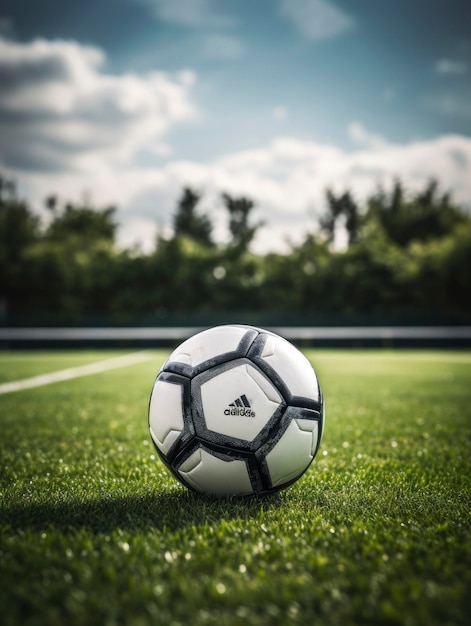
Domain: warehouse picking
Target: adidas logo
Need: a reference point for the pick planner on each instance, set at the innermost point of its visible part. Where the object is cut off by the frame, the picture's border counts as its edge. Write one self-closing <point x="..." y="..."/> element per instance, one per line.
<point x="240" y="406"/>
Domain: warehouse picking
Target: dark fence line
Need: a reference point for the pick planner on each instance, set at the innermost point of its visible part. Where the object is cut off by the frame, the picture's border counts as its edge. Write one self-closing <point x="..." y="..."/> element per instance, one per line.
<point x="206" y="319"/>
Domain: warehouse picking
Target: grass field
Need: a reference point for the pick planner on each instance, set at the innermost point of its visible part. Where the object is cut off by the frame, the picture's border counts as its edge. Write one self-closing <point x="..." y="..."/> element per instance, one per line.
<point x="94" y="530"/>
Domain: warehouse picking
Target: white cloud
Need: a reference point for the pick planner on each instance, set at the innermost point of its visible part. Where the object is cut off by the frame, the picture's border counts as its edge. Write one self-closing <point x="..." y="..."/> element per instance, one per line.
<point x="449" y="105"/>
<point x="363" y="137"/>
<point x="7" y="29"/>
<point x="316" y="19"/>
<point x="68" y="127"/>
<point x="60" y="110"/>
<point x="287" y="179"/>
<point x="222" y="48"/>
<point x="187" y="78"/>
<point x="189" y="13"/>
<point x="280" y="113"/>
<point x="450" y="66"/>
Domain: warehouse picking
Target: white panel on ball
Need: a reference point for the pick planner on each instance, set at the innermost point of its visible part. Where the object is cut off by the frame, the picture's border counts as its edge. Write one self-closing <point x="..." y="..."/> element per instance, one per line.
<point x="312" y="427"/>
<point x="239" y="402"/>
<point x="210" y="474"/>
<point x="293" y="452"/>
<point x="207" y="345"/>
<point x="292" y="366"/>
<point x="166" y="414"/>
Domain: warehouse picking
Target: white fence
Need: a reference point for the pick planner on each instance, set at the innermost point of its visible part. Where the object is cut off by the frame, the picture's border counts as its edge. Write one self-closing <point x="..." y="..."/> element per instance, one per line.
<point x="383" y="334"/>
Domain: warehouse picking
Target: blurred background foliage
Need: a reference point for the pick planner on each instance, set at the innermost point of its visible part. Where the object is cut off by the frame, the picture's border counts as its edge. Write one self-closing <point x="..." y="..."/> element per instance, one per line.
<point x="406" y="254"/>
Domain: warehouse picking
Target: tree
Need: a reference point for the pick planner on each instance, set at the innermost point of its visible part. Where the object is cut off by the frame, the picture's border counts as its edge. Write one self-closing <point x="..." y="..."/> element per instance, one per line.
<point x="188" y="222"/>
<point x="408" y="252"/>
<point x="80" y="221"/>
<point x="337" y="206"/>
<point x="19" y="227"/>
<point x="239" y="221"/>
<point x="422" y="216"/>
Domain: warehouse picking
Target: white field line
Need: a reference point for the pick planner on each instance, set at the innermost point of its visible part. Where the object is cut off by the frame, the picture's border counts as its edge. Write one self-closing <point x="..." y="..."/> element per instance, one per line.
<point x="76" y="372"/>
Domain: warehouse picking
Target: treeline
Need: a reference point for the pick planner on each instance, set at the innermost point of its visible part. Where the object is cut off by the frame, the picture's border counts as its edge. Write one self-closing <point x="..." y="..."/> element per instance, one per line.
<point x="406" y="253"/>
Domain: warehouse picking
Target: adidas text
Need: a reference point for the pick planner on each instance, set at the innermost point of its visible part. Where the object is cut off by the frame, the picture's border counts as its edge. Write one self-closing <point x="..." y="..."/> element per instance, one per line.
<point x="242" y="412"/>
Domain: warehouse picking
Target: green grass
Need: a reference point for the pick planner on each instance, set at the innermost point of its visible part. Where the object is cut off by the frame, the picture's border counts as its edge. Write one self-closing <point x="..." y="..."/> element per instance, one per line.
<point x="94" y="530"/>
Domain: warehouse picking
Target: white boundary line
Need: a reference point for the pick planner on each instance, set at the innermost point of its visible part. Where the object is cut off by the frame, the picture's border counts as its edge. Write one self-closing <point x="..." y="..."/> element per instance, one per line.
<point x="76" y="372"/>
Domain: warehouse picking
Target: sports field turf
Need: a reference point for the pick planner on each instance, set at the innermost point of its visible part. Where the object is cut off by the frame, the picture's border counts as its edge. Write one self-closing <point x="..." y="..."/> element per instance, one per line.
<point x="94" y="530"/>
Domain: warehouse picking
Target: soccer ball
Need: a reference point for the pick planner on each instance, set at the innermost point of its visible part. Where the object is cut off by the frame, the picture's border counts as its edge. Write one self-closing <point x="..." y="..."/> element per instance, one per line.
<point x="236" y="410"/>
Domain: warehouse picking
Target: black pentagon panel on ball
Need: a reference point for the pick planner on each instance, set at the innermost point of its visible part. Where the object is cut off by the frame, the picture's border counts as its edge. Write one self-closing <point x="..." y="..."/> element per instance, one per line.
<point x="190" y="360"/>
<point x="282" y="363"/>
<point x="300" y="429"/>
<point x="170" y="417"/>
<point x="233" y="404"/>
<point x="202" y="461"/>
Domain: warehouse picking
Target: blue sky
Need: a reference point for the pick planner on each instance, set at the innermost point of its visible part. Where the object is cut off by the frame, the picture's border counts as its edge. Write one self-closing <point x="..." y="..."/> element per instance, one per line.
<point x="128" y="100"/>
